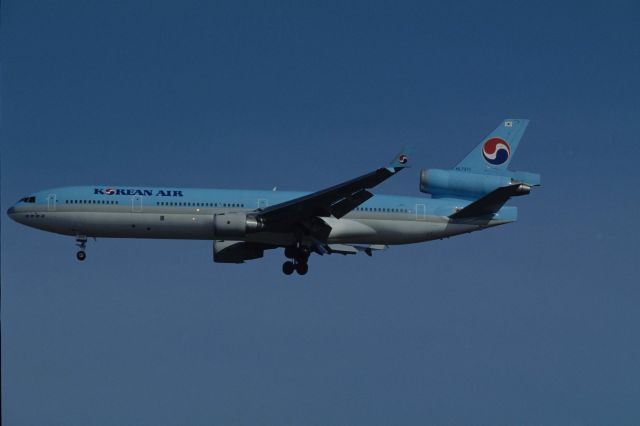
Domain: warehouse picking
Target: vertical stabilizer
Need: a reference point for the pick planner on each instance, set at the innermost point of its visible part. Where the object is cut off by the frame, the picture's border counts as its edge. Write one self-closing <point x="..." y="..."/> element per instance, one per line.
<point x="495" y="152"/>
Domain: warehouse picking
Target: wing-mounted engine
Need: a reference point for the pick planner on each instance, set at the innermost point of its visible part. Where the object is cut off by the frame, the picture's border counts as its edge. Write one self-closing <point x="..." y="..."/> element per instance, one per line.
<point x="236" y="251"/>
<point x="235" y="225"/>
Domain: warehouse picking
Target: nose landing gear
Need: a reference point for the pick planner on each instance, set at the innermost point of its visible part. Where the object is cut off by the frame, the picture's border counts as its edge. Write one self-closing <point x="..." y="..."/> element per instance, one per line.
<point x="81" y="242"/>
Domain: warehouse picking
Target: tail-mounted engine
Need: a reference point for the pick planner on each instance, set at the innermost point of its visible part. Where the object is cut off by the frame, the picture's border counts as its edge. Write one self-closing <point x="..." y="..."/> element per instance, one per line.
<point x="453" y="183"/>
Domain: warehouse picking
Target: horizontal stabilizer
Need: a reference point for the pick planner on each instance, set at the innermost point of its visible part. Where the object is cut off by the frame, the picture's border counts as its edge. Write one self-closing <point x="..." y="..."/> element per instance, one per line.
<point x="492" y="202"/>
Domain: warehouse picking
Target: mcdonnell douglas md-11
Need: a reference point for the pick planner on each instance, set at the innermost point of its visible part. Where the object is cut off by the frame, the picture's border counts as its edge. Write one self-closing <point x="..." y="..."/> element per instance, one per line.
<point x="346" y="218"/>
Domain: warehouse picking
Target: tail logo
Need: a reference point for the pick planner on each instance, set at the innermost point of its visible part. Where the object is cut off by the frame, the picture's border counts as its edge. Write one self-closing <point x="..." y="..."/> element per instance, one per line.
<point x="496" y="151"/>
<point x="403" y="159"/>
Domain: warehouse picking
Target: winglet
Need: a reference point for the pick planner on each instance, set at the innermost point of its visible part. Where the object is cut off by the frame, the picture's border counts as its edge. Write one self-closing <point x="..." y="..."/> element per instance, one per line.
<point x="400" y="161"/>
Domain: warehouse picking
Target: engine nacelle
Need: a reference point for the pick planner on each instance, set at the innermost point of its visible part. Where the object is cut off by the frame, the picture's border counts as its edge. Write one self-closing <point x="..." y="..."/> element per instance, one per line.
<point x="234" y="224"/>
<point x="454" y="183"/>
<point x="235" y="251"/>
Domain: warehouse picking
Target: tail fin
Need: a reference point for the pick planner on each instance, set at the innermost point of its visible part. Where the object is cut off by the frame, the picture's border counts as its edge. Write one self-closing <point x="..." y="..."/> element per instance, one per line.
<point x="495" y="152"/>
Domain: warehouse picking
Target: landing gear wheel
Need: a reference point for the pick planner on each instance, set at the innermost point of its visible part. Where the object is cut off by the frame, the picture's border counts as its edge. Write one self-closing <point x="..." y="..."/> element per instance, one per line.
<point x="81" y="255"/>
<point x="288" y="267"/>
<point x="302" y="268"/>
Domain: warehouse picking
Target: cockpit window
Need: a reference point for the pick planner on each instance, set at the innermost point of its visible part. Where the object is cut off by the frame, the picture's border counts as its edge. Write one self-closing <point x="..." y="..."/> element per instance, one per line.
<point x="28" y="199"/>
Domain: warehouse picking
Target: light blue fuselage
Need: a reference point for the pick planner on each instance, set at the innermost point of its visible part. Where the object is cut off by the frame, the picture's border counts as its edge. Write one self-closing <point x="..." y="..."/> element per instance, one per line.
<point x="187" y="213"/>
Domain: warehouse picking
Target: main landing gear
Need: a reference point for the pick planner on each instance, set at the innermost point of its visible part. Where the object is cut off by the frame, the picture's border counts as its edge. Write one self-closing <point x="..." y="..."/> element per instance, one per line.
<point x="300" y="267"/>
<point x="81" y="242"/>
<point x="300" y="257"/>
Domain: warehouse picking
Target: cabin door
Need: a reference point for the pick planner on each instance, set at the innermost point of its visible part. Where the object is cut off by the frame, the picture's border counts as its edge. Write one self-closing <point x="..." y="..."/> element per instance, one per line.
<point x="51" y="202"/>
<point x="136" y="204"/>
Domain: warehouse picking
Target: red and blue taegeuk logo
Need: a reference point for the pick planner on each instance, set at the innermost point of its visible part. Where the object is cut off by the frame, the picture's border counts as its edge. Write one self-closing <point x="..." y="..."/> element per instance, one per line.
<point x="496" y="151"/>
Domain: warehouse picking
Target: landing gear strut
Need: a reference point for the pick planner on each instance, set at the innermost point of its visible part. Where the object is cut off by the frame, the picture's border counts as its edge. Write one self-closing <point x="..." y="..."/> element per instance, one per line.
<point x="81" y="242"/>
<point x="300" y="256"/>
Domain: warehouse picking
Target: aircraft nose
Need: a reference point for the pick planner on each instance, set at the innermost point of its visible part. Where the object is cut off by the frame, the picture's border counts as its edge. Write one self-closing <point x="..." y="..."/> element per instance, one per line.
<point x="11" y="211"/>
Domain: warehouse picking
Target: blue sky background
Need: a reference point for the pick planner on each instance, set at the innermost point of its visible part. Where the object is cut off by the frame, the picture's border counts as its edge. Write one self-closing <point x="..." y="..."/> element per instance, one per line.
<point x="531" y="323"/>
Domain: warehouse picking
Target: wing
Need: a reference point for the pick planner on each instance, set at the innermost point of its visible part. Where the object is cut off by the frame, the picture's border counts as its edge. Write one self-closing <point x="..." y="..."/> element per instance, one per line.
<point x="335" y="201"/>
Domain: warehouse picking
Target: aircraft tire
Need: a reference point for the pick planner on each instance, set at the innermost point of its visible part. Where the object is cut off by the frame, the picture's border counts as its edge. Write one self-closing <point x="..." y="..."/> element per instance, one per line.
<point x="81" y="255"/>
<point x="288" y="267"/>
<point x="302" y="268"/>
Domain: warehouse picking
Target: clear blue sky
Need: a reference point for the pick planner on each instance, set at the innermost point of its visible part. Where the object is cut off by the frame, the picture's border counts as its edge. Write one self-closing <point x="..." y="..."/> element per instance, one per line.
<point x="532" y="323"/>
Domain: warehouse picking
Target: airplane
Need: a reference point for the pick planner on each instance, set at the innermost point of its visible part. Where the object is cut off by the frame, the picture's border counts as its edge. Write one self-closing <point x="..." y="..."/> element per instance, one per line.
<point x="343" y="219"/>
